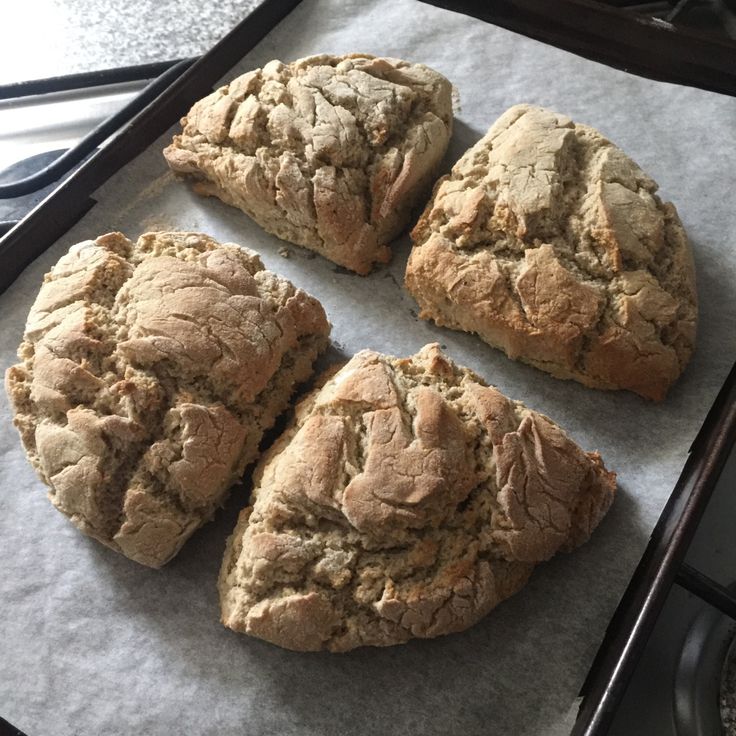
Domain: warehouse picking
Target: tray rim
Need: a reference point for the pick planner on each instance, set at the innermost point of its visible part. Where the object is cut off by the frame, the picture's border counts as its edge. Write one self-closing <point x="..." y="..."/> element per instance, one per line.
<point x="607" y="34"/>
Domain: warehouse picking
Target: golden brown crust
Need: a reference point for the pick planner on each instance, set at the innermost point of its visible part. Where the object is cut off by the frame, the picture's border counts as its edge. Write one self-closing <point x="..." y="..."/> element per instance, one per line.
<point x="149" y="372"/>
<point x="406" y="500"/>
<point x="551" y="244"/>
<point x="329" y="152"/>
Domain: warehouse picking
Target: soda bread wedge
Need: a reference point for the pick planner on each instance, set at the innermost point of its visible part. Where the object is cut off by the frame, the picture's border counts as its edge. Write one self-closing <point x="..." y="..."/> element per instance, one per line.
<point x="328" y="152"/>
<point x="551" y="244"/>
<point x="148" y="373"/>
<point x="407" y="499"/>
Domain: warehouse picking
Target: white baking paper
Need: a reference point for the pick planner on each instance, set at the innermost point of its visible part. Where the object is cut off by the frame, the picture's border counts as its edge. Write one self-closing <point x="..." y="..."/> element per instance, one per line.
<point x="93" y="644"/>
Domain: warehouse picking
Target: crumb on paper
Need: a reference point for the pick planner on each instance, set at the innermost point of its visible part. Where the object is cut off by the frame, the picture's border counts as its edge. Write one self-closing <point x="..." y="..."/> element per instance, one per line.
<point x="155" y="187"/>
<point x="155" y="224"/>
<point x="284" y="252"/>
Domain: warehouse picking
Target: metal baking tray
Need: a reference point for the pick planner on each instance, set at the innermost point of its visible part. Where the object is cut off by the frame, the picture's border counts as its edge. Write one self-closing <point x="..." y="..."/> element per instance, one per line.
<point x="661" y="564"/>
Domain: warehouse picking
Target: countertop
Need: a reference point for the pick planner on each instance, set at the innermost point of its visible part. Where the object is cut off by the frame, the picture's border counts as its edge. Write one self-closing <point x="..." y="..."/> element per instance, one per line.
<point x="46" y="38"/>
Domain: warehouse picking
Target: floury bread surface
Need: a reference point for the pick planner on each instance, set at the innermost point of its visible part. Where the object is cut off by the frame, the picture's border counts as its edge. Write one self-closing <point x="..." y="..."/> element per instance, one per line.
<point x="149" y="372"/>
<point x="406" y="500"/>
<point x="329" y="152"/>
<point x="551" y="244"/>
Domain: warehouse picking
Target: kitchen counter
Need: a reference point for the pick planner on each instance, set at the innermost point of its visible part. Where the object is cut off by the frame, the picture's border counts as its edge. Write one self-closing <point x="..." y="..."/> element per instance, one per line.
<point x="45" y="38"/>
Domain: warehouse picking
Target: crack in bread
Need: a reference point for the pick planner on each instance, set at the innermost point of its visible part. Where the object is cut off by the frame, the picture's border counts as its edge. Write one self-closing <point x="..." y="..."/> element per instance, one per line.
<point x="149" y="372"/>
<point x="550" y="243"/>
<point x="328" y="152"/>
<point x="407" y="499"/>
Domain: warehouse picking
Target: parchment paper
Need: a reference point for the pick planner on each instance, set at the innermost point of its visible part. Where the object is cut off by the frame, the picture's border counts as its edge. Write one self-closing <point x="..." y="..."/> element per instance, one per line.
<point x="94" y="644"/>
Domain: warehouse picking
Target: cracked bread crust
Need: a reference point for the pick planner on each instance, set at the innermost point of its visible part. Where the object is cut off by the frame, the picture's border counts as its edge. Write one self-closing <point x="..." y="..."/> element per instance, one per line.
<point x="550" y="243"/>
<point x="407" y="499"/>
<point x="149" y="372"/>
<point x="328" y="152"/>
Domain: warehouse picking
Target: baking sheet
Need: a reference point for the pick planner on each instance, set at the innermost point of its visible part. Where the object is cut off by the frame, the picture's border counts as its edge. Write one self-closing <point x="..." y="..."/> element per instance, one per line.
<point x="91" y="643"/>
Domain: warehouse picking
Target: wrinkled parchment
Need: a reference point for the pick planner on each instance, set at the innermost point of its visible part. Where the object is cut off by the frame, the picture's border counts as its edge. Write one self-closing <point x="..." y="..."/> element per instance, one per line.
<point x="93" y="644"/>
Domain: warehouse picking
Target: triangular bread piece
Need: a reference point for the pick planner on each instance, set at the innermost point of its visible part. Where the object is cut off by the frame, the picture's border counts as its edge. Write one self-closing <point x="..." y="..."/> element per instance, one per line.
<point x="329" y="152"/>
<point x="407" y="499"/>
<point x="550" y="243"/>
<point x="148" y="374"/>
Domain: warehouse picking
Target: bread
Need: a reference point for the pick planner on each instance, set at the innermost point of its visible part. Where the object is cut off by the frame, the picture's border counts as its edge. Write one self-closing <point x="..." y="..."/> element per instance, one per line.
<point x="406" y="500"/>
<point x="551" y="244"/>
<point x="329" y="152"/>
<point x="149" y="372"/>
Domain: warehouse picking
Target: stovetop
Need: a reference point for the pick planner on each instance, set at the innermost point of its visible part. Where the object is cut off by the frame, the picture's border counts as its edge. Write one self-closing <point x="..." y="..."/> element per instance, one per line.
<point x="676" y="686"/>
